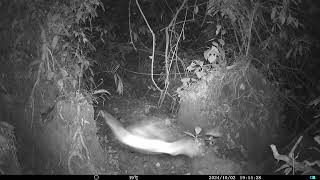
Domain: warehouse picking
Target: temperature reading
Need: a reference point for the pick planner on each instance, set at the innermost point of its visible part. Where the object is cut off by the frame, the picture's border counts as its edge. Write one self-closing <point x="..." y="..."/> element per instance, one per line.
<point x="133" y="177"/>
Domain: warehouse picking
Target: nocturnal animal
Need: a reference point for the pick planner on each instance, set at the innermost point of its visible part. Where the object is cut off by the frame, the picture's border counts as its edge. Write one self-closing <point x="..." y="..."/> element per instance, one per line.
<point x="148" y="138"/>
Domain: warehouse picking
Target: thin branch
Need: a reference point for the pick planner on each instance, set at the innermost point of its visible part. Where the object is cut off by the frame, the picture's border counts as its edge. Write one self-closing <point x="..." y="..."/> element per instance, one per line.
<point x="130" y="30"/>
<point x="250" y="29"/>
<point x="167" y="66"/>
<point x="153" y="46"/>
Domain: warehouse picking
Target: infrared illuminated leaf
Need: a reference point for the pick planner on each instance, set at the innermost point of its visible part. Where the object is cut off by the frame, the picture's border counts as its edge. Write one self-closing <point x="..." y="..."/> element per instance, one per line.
<point x="197" y="130"/>
<point x="218" y="29"/>
<point x="196" y="9"/>
<point x="273" y="12"/>
<point x="285" y="166"/>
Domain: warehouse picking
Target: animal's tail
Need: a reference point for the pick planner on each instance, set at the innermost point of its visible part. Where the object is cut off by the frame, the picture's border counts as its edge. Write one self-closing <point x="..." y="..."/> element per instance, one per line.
<point x="184" y="146"/>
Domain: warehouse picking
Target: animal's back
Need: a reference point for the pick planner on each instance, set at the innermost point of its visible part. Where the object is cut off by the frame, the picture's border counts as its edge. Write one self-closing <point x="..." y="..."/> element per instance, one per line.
<point x="148" y="138"/>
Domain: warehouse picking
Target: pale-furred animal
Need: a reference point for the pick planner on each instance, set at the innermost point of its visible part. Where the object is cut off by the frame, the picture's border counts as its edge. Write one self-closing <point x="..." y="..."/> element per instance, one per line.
<point x="148" y="138"/>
